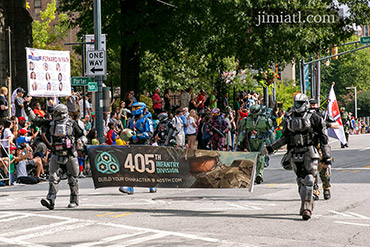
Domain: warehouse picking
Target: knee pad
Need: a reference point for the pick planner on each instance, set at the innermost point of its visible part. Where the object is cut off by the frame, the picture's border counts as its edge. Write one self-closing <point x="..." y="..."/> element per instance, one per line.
<point x="309" y="180"/>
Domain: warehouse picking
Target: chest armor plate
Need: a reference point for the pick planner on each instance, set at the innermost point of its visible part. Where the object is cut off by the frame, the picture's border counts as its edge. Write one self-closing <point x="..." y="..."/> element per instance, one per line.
<point x="258" y="125"/>
<point x="299" y="124"/>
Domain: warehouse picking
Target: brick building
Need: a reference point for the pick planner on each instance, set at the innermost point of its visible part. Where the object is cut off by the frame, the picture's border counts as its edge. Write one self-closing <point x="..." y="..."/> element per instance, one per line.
<point x="13" y="14"/>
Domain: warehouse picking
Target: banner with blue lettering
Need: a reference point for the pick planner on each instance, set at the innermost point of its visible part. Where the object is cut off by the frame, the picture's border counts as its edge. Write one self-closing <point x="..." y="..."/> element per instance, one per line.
<point x="48" y="73"/>
<point x="169" y="167"/>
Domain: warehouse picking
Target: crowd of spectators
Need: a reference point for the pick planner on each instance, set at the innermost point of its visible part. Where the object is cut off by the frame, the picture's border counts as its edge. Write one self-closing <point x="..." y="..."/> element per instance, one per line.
<point x="26" y="148"/>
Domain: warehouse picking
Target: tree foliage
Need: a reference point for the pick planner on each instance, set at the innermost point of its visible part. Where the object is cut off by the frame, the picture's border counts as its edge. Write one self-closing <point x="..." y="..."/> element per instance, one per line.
<point x="148" y="33"/>
<point x="350" y="70"/>
<point x="47" y="35"/>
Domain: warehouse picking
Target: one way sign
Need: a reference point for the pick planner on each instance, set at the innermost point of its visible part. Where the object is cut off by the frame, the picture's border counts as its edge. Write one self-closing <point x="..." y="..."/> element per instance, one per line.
<point x="96" y="63"/>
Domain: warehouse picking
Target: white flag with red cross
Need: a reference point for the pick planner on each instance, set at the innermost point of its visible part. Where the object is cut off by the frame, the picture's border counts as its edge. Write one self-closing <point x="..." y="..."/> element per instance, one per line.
<point x="333" y="111"/>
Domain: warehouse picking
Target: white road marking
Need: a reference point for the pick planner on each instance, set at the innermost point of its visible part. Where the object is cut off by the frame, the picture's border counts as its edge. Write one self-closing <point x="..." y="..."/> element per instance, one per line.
<point x="339" y="213"/>
<point x="350" y="223"/>
<point x="104" y="241"/>
<point x="247" y="207"/>
<point x="12" y="242"/>
<point x="92" y="222"/>
<point x="351" y="215"/>
<point x="364" y="149"/>
<point x="14" y="218"/>
<point x="6" y="215"/>
<point x="360" y="216"/>
<point x="54" y="230"/>
<point x="37" y="228"/>
<point x="141" y="240"/>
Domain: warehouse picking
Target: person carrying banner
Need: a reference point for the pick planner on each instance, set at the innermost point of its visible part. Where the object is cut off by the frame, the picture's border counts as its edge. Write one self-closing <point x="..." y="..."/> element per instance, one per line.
<point x="255" y="130"/>
<point x="346" y="120"/>
<point x="142" y="125"/>
<point x="64" y="134"/>
<point x="303" y="130"/>
<point x="323" y="170"/>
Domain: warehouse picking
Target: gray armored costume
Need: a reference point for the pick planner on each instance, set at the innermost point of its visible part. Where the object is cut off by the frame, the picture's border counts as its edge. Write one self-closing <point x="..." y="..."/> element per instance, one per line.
<point x="302" y="132"/>
<point x="64" y="134"/>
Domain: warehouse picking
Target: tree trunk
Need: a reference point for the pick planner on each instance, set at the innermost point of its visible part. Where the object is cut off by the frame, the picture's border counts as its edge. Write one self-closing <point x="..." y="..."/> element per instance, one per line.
<point x="130" y="56"/>
<point x="130" y="68"/>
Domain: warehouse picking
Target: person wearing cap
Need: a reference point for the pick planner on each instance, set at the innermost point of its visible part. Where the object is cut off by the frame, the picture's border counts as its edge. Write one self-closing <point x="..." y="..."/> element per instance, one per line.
<point x="20" y="103"/>
<point x="23" y="138"/>
<point x="71" y="101"/>
<point x="157" y="102"/>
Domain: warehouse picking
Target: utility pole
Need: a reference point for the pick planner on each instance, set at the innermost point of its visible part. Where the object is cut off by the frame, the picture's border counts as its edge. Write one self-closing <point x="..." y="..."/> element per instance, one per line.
<point x="99" y="79"/>
<point x="10" y="73"/>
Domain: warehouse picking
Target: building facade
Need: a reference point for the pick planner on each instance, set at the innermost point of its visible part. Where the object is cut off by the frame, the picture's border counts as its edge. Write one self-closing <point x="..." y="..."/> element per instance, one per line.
<point x="13" y="15"/>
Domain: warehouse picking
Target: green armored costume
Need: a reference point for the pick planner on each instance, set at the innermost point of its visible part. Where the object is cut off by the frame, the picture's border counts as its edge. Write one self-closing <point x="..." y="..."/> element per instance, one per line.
<point x="346" y="120"/>
<point x="254" y="133"/>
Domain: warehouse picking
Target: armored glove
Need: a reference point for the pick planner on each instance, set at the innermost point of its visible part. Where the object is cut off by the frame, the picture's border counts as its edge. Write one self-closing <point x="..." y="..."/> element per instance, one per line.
<point x="269" y="148"/>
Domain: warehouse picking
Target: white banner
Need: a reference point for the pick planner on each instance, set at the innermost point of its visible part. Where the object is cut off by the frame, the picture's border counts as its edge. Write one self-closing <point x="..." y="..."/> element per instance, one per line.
<point x="48" y="73"/>
<point x="333" y="111"/>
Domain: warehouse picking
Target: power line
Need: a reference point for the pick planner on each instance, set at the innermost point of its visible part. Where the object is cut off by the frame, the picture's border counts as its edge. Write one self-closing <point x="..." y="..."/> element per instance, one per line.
<point x="173" y="6"/>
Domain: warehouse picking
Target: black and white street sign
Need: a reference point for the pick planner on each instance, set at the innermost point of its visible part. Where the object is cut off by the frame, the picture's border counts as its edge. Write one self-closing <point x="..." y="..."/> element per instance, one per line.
<point x="96" y="63"/>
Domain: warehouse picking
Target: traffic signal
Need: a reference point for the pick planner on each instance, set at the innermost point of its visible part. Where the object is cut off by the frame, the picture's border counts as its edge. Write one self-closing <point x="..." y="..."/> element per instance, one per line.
<point x="334" y="51"/>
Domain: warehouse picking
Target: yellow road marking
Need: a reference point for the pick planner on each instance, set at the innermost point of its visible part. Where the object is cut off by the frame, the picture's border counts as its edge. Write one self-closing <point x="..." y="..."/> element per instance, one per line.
<point x="344" y="171"/>
<point x="100" y="215"/>
<point x="367" y="167"/>
<point x="120" y="215"/>
<point x="356" y="171"/>
<point x="270" y="184"/>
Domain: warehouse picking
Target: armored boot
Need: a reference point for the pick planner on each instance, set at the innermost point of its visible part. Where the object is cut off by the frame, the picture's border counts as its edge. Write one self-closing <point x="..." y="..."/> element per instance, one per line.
<point x="47" y="203"/>
<point x="306" y="194"/>
<point x="316" y="192"/>
<point x="327" y="194"/>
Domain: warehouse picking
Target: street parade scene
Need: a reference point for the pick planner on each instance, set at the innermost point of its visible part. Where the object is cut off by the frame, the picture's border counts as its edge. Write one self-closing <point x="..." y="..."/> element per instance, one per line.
<point x="184" y="123"/>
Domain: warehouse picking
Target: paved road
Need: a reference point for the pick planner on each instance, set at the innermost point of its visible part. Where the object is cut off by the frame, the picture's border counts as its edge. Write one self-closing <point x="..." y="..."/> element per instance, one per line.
<point x="199" y="217"/>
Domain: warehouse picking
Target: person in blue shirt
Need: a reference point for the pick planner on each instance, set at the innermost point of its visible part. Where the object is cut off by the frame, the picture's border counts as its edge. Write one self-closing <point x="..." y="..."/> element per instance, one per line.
<point x="23" y="138"/>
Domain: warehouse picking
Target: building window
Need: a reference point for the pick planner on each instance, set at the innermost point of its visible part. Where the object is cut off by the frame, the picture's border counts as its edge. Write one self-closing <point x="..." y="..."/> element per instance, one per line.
<point x="37" y="7"/>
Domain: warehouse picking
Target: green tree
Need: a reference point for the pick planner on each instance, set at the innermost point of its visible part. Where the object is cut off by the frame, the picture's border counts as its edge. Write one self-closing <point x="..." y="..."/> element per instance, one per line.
<point x="47" y="35"/>
<point x="350" y="70"/>
<point x="212" y="29"/>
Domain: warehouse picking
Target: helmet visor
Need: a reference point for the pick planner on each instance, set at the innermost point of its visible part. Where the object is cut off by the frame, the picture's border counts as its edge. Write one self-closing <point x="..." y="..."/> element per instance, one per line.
<point x="299" y="104"/>
<point x="135" y="108"/>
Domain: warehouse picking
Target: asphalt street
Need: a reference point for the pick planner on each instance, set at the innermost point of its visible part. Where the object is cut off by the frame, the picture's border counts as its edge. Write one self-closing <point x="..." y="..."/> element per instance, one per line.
<point x="199" y="217"/>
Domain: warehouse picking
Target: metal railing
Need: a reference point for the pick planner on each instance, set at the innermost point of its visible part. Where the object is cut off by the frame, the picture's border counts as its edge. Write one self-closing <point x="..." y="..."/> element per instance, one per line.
<point x="5" y="167"/>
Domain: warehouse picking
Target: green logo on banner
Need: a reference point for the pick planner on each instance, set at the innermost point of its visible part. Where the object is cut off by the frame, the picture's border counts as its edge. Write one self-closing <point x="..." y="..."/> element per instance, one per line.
<point x="106" y="163"/>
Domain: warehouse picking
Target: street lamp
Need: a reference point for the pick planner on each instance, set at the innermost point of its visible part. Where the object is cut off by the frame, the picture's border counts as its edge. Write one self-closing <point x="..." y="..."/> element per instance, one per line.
<point x="355" y="99"/>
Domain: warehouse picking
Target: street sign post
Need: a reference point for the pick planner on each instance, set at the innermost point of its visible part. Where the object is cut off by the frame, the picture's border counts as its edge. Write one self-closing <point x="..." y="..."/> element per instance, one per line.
<point x="81" y="81"/>
<point x="92" y="87"/>
<point x="365" y="40"/>
<point x="96" y="63"/>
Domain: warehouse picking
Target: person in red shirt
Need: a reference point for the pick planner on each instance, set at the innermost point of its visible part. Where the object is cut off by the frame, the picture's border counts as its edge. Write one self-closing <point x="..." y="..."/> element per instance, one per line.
<point x="38" y="110"/>
<point x="157" y="102"/>
<point x="200" y="101"/>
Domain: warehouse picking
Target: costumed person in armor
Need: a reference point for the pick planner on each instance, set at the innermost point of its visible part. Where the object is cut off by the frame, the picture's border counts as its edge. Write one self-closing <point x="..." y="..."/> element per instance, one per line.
<point x="303" y="131"/>
<point x="142" y="125"/>
<point x="64" y="133"/>
<point x="323" y="170"/>
<point x="346" y="120"/>
<point x="165" y="131"/>
<point x="218" y="128"/>
<point x="255" y="131"/>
